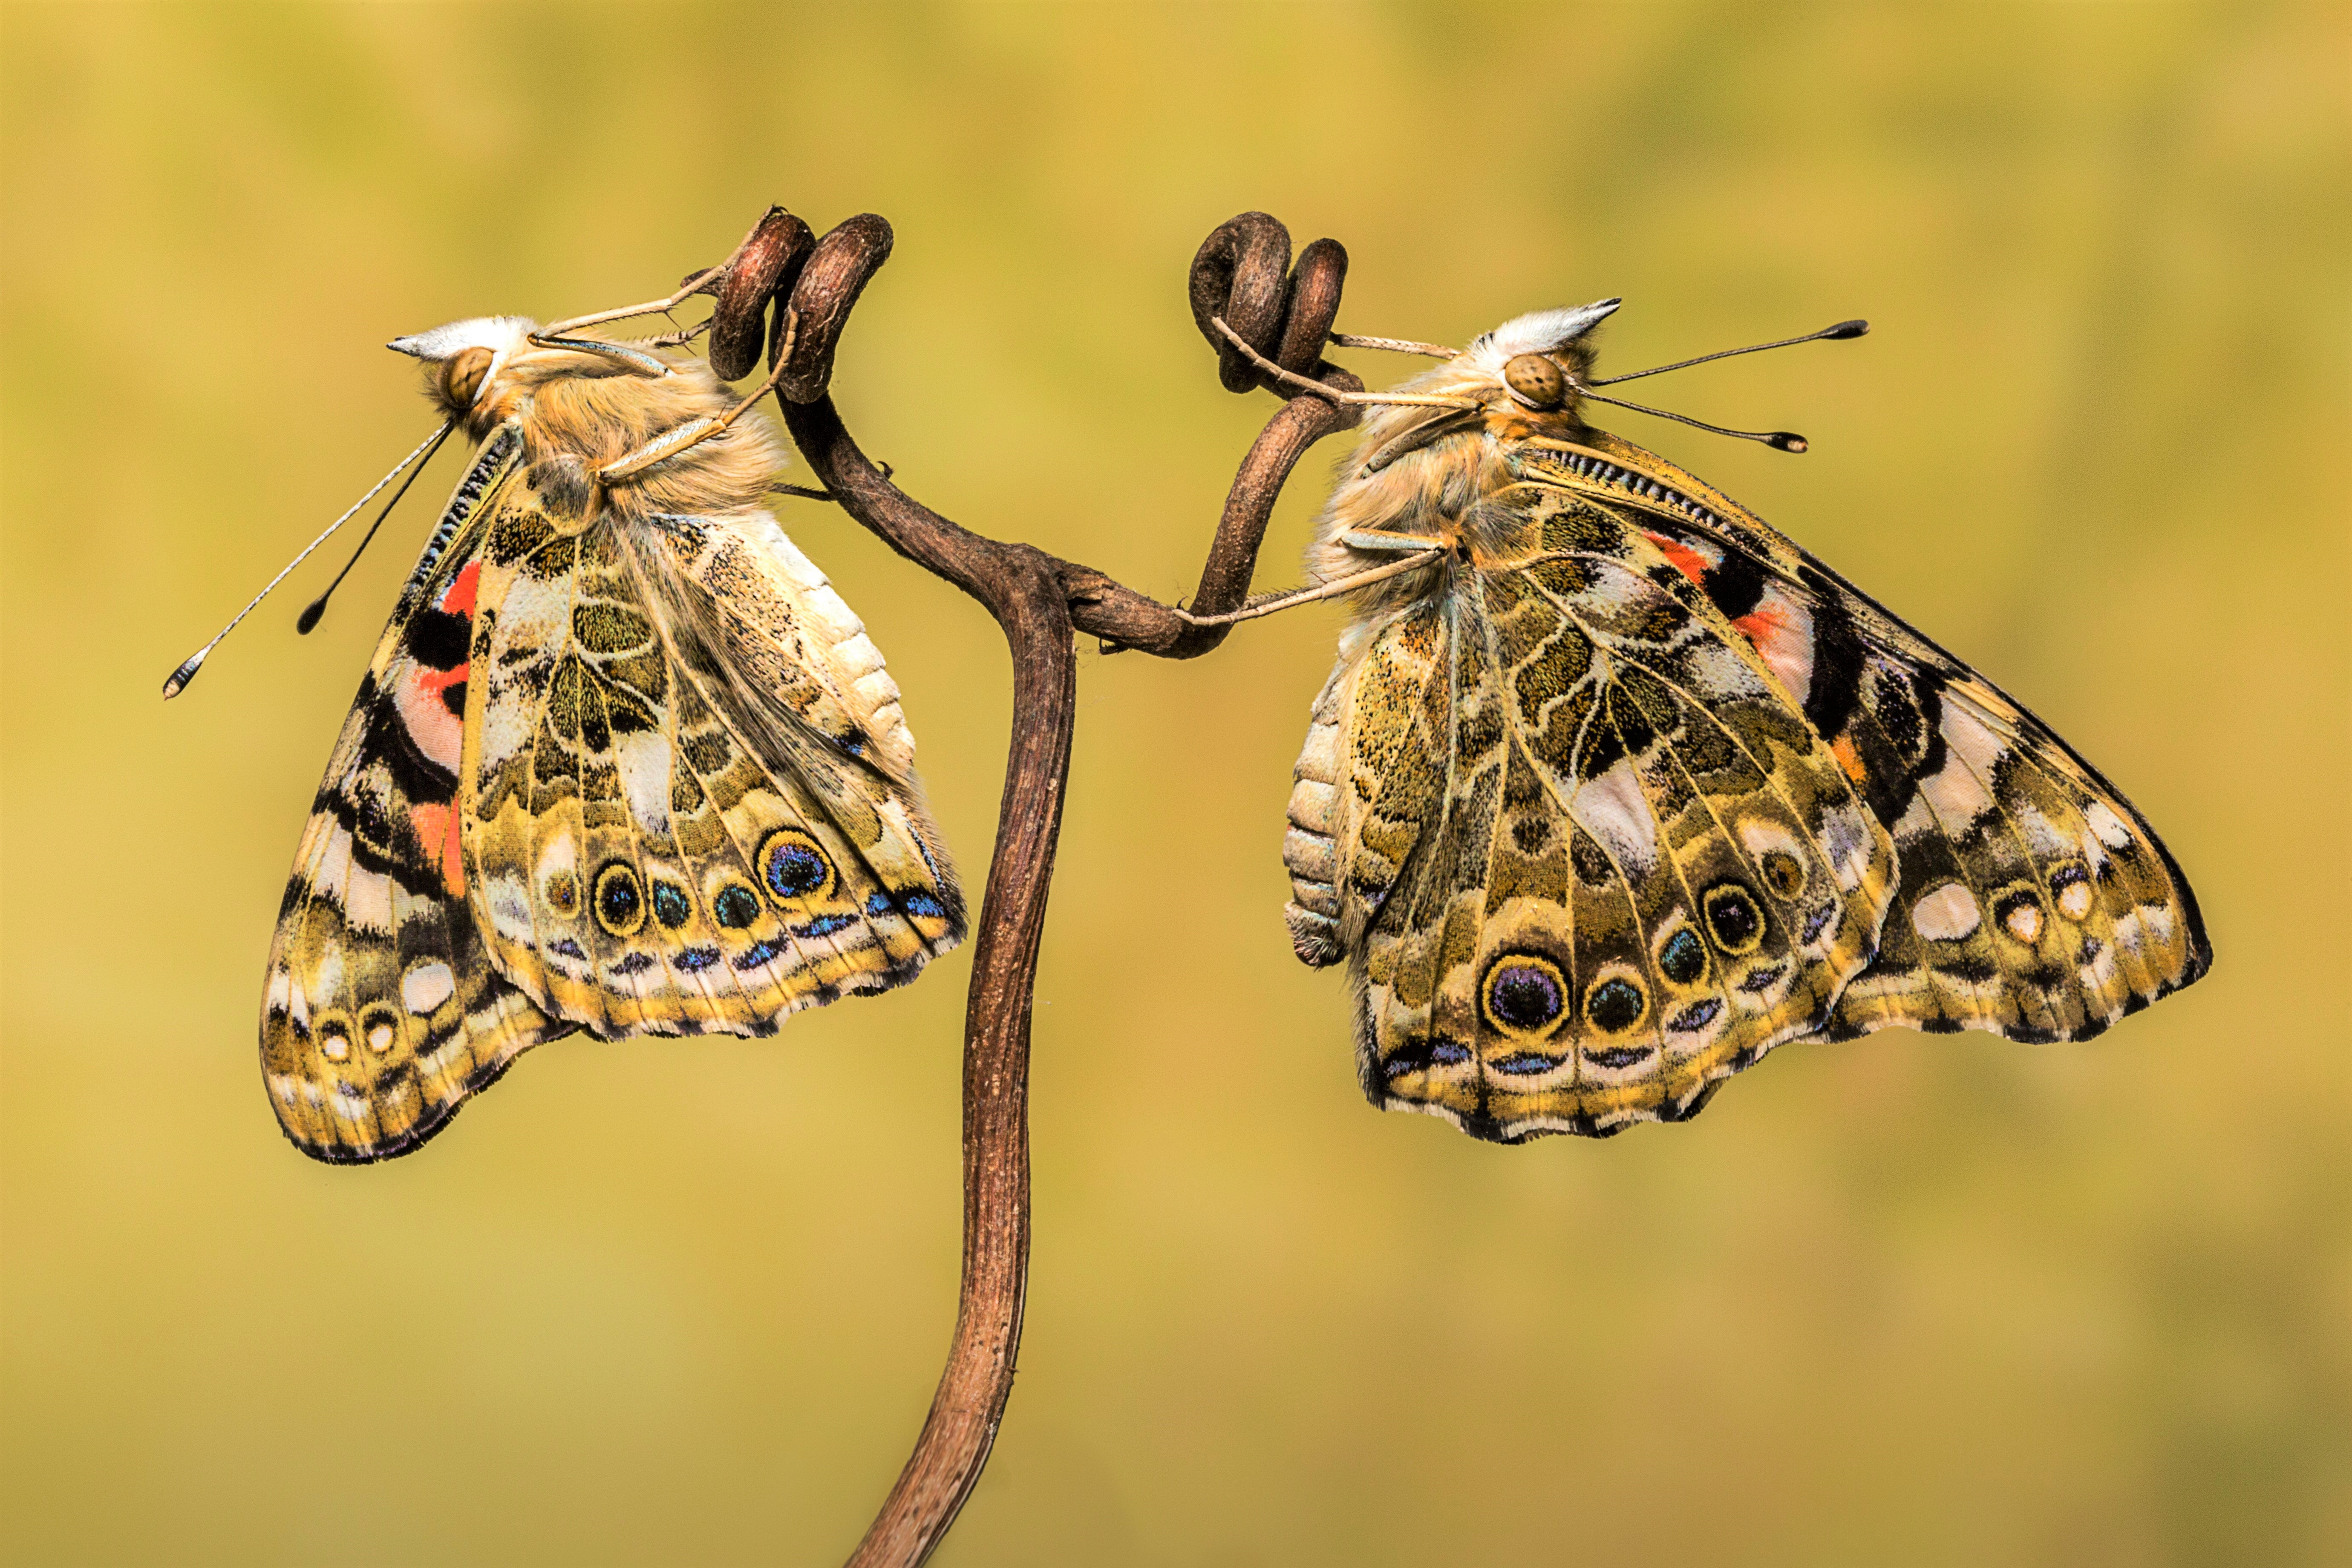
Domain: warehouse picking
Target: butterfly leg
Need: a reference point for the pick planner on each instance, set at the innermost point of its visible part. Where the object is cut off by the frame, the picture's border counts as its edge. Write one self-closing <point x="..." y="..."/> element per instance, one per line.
<point x="670" y="442"/>
<point x="560" y="334"/>
<point x="1279" y="602"/>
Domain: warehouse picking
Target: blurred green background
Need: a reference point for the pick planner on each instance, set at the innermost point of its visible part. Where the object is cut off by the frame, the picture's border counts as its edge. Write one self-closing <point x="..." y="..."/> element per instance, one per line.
<point x="1947" y="1300"/>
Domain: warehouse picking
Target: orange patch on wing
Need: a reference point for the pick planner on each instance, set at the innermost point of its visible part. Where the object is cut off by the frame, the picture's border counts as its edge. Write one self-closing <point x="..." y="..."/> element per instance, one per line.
<point x="440" y="825"/>
<point x="1687" y="560"/>
<point x="1760" y="627"/>
<point x="458" y="598"/>
<point x="1848" y="758"/>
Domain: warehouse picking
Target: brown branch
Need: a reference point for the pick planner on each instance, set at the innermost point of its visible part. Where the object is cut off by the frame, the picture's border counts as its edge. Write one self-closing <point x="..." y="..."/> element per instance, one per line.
<point x="1240" y="274"/>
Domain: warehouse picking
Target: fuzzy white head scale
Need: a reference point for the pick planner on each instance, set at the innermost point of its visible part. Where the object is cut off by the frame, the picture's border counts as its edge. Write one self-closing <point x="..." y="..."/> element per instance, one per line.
<point x="1537" y="332"/>
<point x="500" y="334"/>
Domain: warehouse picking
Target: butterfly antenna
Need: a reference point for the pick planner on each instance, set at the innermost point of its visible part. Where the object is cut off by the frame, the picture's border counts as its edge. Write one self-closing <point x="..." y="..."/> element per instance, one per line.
<point x="1778" y="440"/>
<point x="317" y="606"/>
<point x="179" y="678"/>
<point x="1839" y="332"/>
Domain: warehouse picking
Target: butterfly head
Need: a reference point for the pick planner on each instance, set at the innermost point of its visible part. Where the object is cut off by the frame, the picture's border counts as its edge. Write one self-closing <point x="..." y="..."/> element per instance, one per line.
<point x="463" y="360"/>
<point x="1526" y="377"/>
<point x="1537" y="362"/>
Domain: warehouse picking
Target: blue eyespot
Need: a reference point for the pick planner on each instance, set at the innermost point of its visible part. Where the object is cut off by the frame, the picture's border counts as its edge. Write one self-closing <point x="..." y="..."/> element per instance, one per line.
<point x="793" y="866"/>
<point x="736" y="906"/>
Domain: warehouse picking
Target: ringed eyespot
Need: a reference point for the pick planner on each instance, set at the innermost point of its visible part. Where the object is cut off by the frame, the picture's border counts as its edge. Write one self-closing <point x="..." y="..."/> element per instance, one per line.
<point x="1524" y="993"/>
<point x="1615" y="1004"/>
<point x="736" y="906"/>
<point x="2019" y="914"/>
<point x="2071" y="885"/>
<point x="1783" y="873"/>
<point x="671" y="906"/>
<point x="620" y="901"/>
<point x="461" y="377"/>
<point x="794" y="866"/>
<point x="562" y="890"/>
<point x="1682" y="957"/>
<point x="1536" y="381"/>
<point x="378" y="1028"/>
<point x="1733" y="917"/>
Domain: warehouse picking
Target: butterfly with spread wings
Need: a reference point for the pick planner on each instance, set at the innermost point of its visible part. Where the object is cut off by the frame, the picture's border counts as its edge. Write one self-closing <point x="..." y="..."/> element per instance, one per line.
<point x="1614" y="788"/>
<point x="623" y="762"/>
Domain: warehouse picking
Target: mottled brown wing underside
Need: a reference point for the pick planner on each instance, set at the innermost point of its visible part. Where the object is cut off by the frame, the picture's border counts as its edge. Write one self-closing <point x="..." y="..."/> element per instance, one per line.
<point x="684" y="816"/>
<point x="1585" y="856"/>
<point x="635" y="780"/>
<point x="1638" y="791"/>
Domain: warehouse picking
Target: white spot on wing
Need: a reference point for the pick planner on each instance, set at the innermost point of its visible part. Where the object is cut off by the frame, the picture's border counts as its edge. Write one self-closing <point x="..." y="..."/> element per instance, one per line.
<point x="367" y="900"/>
<point x="1949" y="913"/>
<point x="426" y="986"/>
<point x="2108" y="826"/>
<point x="1613" y="810"/>
<point x="1954" y="793"/>
<point x="644" y="761"/>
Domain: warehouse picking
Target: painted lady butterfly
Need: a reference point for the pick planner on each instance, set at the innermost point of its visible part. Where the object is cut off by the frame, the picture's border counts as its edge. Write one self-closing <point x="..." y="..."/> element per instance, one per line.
<point x="1614" y="788"/>
<point x="622" y="760"/>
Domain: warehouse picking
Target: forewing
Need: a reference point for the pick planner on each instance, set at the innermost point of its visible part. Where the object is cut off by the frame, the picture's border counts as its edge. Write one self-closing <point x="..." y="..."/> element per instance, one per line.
<point x="381" y="1011"/>
<point x="690" y="805"/>
<point x="1637" y="869"/>
<point x="2035" y="900"/>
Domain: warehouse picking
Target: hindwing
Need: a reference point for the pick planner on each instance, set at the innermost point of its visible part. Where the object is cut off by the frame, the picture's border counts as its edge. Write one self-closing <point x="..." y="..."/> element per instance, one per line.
<point x="689" y="801"/>
<point x="1586" y="855"/>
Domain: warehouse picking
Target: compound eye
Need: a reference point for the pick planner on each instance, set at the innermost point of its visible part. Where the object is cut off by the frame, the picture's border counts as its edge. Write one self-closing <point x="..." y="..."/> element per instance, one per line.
<point x="1535" y="381"/>
<point x="461" y="377"/>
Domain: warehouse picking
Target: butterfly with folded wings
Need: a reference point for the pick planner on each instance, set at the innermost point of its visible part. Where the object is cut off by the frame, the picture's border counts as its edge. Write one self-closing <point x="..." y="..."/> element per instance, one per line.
<point x="1614" y="788"/>
<point x="623" y="761"/>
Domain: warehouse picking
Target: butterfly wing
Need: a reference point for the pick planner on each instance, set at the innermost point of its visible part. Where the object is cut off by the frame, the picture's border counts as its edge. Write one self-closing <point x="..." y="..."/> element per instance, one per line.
<point x="689" y="803"/>
<point x="2035" y="900"/>
<point x="381" y="1011"/>
<point x="1585" y="856"/>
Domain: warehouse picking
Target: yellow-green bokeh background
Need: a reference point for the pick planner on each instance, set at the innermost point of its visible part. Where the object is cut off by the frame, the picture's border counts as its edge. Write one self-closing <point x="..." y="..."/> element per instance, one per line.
<point x="1947" y="1300"/>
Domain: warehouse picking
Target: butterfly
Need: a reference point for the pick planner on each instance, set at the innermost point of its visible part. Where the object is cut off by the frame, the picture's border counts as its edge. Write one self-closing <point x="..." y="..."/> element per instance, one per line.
<point x="1614" y="788"/>
<point x="622" y="760"/>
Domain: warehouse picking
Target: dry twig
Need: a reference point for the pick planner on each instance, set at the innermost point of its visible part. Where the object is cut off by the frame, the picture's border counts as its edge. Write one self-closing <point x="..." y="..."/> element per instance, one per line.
<point x="1242" y="275"/>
